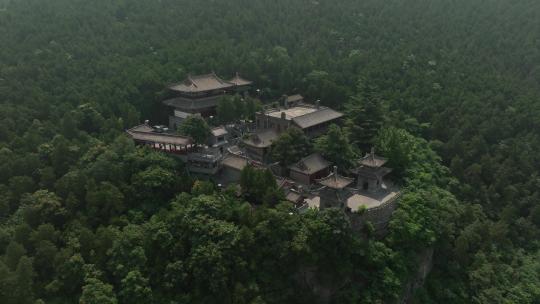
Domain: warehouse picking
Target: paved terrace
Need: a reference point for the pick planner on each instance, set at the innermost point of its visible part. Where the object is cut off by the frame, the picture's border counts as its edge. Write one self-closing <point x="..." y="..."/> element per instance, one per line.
<point x="372" y="200"/>
<point x="293" y="112"/>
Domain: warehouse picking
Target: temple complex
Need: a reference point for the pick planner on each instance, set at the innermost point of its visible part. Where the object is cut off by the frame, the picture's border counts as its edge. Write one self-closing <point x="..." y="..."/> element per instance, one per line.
<point x="362" y="192"/>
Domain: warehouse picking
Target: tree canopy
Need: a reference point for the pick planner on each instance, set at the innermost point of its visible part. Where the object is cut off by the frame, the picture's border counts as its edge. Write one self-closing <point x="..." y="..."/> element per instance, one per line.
<point x="291" y="146"/>
<point x="196" y="128"/>
<point x="364" y="115"/>
<point x="335" y="147"/>
<point x="447" y="90"/>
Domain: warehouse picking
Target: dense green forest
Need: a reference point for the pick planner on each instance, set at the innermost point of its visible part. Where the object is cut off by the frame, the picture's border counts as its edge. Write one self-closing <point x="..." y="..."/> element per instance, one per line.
<point x="448" y="90"/>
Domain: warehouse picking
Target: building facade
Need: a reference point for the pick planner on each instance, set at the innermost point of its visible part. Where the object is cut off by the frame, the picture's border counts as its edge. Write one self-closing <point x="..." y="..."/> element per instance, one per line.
<point x="313" y="120"/>
<point x="157" y="139"/>
<point x="371" y="172"/>
<point x="257" y="145"/>
<point x="309" y="169"/>
<point x="199" y="95"/>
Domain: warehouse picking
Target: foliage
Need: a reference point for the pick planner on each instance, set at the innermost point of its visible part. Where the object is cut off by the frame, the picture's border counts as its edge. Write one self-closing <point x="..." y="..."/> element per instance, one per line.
<point x="227" y="110"/>
<point x="335" y="147"/>
<point x="252" y="106"/>
<point x="202" y="187"/>
<point x="364" y="116"/>
<point x="75" y="74"/>
<point x="196" y="128"/>
<point x="233" y="108"/>
<point x="397" y="145"/>
<point x="95" y="291"/>
<point x="290" y="147"/>
<point x="259" y="185"/>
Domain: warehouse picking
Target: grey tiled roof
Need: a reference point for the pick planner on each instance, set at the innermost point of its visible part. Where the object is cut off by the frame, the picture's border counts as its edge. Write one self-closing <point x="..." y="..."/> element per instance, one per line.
<point x="315" y="118"/>
<point x="311" y="164"/>
<point x="239" y="81"/>
<point x="208" y="82"/>
<point x="335" y="182"/>
<point x="219" y="131"/>
<point x="188" y="104"/>
<point x="141" y="128"/>
<point x="293" y="196"/>
<point x="181" y="114"/>
<point x="295" y="98"/>
<point x="201" y="83"/>
<point x="370" y="172"/>
<point x="235" y="162"/>
<point x="146" y="133"/>
<point x="372" y="160"/>
<point x="261" y="139"/>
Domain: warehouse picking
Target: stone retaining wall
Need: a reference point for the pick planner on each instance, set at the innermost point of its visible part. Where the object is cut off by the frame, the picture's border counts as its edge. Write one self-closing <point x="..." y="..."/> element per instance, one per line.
<point x="378" y="216"/>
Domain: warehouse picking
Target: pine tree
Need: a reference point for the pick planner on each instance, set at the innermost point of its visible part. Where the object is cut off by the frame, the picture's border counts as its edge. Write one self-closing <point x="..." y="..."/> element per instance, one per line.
<point x="24" y="277"/>
<point x="135" y="289"/>
<point x="97" y="292"/>
<point x="14" y="252"/>
<point x="6" y="284"/>
<point x="225" y="110"/>
<point x="335" y="147"/>
<point x="196" y="128"/>
<point x="364" y="116"/>
<point x="290" y="147"/>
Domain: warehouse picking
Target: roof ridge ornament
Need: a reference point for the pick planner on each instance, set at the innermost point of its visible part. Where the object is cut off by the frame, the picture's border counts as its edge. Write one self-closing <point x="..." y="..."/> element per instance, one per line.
<point x="191" y="81"/>
<point x="302" y="165"/>
<point x="217" y="77"/>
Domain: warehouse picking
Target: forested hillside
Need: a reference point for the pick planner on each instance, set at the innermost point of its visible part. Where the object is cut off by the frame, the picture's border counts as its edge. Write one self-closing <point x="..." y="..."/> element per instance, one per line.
<point x="87" y="217"/>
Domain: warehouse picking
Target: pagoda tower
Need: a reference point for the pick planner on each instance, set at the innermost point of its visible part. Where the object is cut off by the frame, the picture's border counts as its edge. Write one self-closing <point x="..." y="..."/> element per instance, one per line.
<point x="334" y="193"/>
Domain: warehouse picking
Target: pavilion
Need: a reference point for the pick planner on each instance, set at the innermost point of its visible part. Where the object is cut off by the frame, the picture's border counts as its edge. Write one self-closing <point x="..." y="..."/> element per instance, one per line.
<point x="333" y="192"/>
<point x="199" y="95"/>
